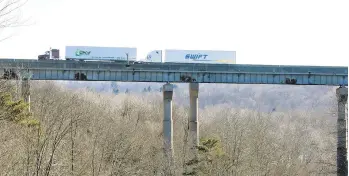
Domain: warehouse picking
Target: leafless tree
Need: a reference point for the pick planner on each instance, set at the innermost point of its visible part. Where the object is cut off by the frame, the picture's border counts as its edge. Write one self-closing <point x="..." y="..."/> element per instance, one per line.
<point x="89" y="133"/>
<point x="10" y="15"/>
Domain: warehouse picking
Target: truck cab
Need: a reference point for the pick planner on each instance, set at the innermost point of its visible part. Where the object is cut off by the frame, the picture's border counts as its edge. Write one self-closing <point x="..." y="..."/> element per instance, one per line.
<point x="53" y="54"/>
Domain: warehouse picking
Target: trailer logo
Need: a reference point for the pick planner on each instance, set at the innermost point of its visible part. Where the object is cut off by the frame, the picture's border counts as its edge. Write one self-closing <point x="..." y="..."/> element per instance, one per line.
<point x="195" y="56"/>
<point x="81" y="52"/>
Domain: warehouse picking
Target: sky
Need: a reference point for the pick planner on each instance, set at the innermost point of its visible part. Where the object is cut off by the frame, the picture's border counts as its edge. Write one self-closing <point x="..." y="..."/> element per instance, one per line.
<point x="269" y="32"/>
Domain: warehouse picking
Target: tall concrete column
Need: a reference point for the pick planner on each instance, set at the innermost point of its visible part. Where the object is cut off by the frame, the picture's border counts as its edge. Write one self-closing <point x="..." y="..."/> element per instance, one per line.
<point x="342" y="160"/>
<point x="193" y="119"/>
<point x="26" y="91"/>
<point x="167" y="123"/>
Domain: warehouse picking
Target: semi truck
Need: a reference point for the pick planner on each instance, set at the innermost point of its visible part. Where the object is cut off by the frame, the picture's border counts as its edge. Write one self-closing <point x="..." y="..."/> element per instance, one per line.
<point x="52" y="54"/>
<point x="100" y="53"/>
<point x="192" y="56"/>
<point x="127" y="54"/>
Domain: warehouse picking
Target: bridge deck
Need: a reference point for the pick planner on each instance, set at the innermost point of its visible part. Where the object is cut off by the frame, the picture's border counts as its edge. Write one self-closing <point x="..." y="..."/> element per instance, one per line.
<point x="177" y="72"/>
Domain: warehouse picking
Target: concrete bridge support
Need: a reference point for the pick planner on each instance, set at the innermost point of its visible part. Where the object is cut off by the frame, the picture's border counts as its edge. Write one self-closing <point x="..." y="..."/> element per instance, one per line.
<point x="167" y="123"/>
<point x="342" y="160"/>
<point x="193" y="119"/>
<point x="26" y="91"/>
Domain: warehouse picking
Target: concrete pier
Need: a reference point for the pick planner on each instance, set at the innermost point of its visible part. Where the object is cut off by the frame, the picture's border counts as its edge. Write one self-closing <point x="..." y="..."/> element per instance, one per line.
<point x="26" y="91"/>
<point x="193" y="119"/>
<point x="342" y="160"/>
<point x="167" y="123"/>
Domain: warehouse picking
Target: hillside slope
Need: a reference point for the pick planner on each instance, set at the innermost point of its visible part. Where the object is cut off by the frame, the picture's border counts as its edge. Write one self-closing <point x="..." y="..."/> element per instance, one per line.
<point x="84" y="132"/>
<point x="266" y="98"/>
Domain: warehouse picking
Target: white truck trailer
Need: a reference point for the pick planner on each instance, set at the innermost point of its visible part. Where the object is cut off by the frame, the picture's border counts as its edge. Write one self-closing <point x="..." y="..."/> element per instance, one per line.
<point x="100" y="53"/>
<point x="192" y="56"/>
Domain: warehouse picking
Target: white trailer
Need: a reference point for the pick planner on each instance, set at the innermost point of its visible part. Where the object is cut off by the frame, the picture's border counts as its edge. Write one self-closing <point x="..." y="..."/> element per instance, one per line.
<point x="192" y="56"/>
<point x="100" y="53"/>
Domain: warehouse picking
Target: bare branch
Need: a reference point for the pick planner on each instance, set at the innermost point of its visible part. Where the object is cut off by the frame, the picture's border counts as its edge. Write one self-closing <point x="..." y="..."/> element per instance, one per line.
<point x="10" y="15"/>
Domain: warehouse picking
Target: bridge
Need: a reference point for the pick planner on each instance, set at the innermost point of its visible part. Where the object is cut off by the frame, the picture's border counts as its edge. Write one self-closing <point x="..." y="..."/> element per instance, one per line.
<point x="27" y="69"/>
<point x="178" y="72"/>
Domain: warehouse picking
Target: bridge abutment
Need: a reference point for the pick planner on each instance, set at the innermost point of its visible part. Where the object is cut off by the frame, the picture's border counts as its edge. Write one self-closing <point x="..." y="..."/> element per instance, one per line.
<point x="342" y="160"/>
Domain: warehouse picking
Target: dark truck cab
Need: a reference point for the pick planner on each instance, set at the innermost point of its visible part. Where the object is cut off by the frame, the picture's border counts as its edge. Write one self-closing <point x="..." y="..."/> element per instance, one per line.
<point x="46" y="56"/>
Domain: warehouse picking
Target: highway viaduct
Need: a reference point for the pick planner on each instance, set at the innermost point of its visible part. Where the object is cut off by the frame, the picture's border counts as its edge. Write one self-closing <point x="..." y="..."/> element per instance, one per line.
<point x="193" y="74"/>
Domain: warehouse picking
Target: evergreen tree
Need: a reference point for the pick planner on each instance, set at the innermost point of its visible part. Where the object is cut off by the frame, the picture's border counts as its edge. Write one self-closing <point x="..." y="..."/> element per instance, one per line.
<point x="15" y="111"/>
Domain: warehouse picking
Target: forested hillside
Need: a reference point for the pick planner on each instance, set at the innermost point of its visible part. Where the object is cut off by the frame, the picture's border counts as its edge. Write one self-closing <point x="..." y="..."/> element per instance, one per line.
<point x="257" y="130"/>
<point x="266" y="98"/>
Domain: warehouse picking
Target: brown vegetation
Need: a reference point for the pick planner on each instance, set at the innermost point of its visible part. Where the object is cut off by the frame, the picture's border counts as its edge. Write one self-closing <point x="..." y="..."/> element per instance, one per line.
<point x="81" y="132"/>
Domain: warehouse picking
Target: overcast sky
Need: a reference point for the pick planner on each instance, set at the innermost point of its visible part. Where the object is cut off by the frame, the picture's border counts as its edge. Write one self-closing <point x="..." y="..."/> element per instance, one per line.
<point x="297" y="32"/>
